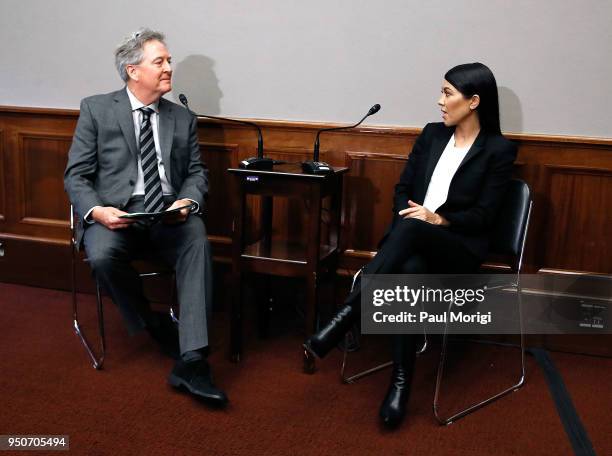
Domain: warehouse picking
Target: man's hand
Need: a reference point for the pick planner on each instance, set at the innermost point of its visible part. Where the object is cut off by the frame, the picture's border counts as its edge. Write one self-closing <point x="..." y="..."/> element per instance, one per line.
<point x="109" y="217"/>
<point x="422" y="213"/>
<point x="179" y="216"/>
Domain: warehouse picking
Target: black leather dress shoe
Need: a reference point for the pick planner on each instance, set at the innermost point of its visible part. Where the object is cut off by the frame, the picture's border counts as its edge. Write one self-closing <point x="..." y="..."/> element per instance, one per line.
<point x="165" y="333"/>
<point x="321" y="343"/>
<point x="196" y="378"/>
<point x="393" y="407"/>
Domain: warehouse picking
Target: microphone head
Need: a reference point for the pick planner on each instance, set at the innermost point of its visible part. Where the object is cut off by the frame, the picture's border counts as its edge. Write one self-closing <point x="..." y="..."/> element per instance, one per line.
<point x="183" y="99"/>
<point x="373" y="110"/>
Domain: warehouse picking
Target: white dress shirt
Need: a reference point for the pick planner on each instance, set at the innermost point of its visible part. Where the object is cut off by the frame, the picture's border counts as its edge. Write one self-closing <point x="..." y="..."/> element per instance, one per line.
<point x="437" y="190"/>
<point x="139" y="189"/>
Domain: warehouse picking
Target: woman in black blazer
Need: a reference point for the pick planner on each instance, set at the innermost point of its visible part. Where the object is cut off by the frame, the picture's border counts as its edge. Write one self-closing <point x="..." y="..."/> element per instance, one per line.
<point x="443" y="210"/>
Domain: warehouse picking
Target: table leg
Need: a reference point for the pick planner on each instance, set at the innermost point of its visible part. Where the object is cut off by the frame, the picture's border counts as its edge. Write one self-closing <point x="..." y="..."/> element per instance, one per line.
<point x="309" y="365"/>
<point x="312" y="292"/>
<point x="236" y="319"/>
<point x="265" y="303"/>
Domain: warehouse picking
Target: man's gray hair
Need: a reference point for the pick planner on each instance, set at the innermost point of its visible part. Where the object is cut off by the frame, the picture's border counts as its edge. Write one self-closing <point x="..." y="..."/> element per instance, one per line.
<point x="130" y="51"/>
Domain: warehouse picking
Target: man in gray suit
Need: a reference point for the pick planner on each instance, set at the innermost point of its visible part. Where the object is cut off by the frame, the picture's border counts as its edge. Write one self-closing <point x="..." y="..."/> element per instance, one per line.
<point x="134" y="151"/>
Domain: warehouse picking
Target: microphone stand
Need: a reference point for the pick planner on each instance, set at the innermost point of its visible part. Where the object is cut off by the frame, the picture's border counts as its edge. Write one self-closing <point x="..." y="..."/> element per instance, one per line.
<point x="315" y="166"/>
<point x="259" y="162"/>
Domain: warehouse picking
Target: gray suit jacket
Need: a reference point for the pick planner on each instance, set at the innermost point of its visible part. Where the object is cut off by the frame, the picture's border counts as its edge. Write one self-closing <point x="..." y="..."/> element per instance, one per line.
<point x="103" y="159"/>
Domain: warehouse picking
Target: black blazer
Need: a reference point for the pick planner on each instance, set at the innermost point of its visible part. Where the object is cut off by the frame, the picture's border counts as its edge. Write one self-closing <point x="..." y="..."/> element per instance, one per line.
<point x="476" y="189"/>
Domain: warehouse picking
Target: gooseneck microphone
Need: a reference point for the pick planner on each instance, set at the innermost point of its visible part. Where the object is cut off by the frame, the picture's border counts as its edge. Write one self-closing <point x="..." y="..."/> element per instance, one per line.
<point x="259" y="162"/>
<point x="314" y="166"/>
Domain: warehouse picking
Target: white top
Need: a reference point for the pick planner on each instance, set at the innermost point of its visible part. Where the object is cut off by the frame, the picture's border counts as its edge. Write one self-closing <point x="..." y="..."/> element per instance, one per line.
<point x="437" y="190"/>
<point x="139" y="188"/>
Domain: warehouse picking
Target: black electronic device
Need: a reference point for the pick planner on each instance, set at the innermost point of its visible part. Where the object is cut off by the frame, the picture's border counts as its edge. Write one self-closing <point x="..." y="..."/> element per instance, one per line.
<point x="259" y="162"/>
<point x="315" y="166"/>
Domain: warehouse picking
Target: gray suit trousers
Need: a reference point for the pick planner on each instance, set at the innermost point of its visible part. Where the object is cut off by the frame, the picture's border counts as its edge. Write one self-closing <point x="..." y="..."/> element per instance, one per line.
<point x="183" y="246"/>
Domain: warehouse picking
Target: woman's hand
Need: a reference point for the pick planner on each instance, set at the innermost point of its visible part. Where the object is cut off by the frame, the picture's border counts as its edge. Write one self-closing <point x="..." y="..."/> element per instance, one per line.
<point x="422" y="213"/>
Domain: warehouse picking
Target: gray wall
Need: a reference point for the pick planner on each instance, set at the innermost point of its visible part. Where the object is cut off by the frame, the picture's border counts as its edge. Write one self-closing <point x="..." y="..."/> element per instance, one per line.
<point x="326" y="60"/>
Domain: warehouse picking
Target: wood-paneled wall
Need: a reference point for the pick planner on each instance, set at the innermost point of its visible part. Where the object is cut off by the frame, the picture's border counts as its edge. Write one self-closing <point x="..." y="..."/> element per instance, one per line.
<point x="571" y="178"/>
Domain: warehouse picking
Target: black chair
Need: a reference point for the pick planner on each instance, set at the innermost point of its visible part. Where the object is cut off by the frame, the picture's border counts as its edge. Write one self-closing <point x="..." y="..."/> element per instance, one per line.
<point x="509" y="236"/>
<point x="149" y="267"/>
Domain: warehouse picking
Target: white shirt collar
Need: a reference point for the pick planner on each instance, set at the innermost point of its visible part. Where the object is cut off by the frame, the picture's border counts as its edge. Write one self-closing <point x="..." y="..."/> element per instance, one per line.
<point x="137" y="104"/>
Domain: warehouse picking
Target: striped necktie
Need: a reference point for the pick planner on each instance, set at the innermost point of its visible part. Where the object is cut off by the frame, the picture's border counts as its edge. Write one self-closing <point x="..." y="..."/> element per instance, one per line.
<point x="153" y="198"/>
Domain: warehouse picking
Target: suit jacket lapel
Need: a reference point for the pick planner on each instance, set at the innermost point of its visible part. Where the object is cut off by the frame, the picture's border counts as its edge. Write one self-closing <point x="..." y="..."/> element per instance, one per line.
<point x="123" y="113"/>
<point x="438" y="144"/>
<point x="166" y="133"/>
<point x="478" y="145"/>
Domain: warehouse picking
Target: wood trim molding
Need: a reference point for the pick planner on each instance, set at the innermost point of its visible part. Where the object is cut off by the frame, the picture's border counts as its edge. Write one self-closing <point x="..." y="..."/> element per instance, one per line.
<point x="36" y="239"/>
<point x="575" y="197"/>
<point x="39" y="111"/>
<point x="543" y="139"/>
<point x="224" y="240"/>
<point x="24" y="170"/>
<point x="2" y="178"/>
<point x="578" y="170"/>
<point x="314" y="125"/>
<point x="360" y="254"/>
<point x="404" y="131"/>
<point x="231" y="147"/>
<point x="45" y="222"/>
<point x="374" y="156"/>
<point x="54" y="136"/>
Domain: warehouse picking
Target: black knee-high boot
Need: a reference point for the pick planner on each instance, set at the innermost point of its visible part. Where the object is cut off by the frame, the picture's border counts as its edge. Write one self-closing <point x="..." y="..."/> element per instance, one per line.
<point x="393" y="407"/>
<point x="321" y="343"/>
<point x="389" y="259"/>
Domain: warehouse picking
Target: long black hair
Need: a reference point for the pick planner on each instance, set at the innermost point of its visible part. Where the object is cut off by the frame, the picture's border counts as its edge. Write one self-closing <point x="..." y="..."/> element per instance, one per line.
<point x="477" y="79"/>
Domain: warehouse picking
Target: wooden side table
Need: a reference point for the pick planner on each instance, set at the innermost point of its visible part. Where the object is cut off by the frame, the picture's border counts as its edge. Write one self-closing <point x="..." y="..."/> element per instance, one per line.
<point x="266" y="255"/>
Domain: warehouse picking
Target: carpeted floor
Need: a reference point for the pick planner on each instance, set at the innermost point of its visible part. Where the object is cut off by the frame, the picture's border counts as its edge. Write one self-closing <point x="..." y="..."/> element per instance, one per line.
<point x="48" y="387"/>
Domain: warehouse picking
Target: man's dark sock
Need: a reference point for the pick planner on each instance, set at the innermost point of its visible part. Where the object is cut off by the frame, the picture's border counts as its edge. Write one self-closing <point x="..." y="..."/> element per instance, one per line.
<point x="195" y="355"/>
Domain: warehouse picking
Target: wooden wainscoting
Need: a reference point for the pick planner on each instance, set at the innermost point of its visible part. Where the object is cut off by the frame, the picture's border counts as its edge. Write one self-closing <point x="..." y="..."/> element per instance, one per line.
<point x="571" y="179"/>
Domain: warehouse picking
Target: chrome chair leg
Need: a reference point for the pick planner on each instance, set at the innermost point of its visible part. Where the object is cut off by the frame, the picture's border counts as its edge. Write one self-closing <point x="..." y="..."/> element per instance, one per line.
<point x="462" y="413"/>
<point x="173" y="316"/>
<point x="521" y="194"/>
<point x="97" y="359"/>
<point x="354" y="377"/>
<point x="173" y="294"/>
